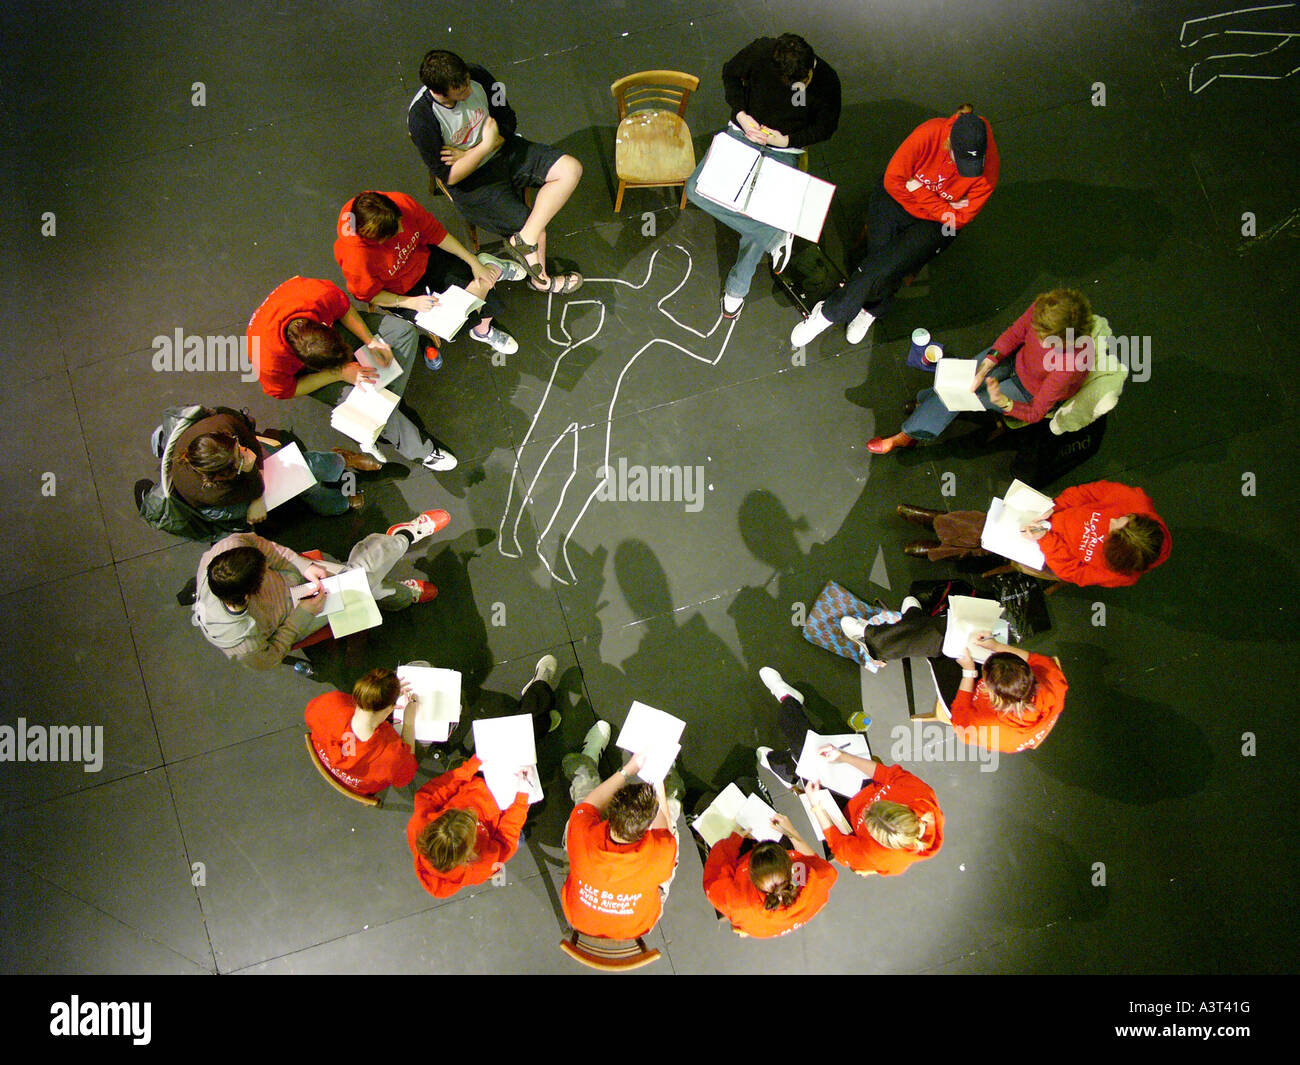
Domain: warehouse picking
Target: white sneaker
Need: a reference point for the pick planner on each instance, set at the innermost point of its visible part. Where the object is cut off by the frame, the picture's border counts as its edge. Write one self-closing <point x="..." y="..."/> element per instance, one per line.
<point x="810" y="328"/>
<point x="783" y="772"/>
<point x="545" y="672"/>
<point x="854" y="628"/>
<point x="497" y="340"/>
<point x="779" y="688"/>
<point x="732" y="306"/>
<point x="910" y="603"/>
<point x="858" y="327"/>
<point x="596" y="740"/>
<point x="439" y="461"/>
<point x="510" y="270"/>
<point x="781" y="253"/>
<point x="422" y="525"/>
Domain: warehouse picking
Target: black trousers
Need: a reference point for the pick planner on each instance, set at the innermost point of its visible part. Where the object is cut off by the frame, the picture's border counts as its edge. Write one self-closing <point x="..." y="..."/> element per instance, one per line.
<point x="538" y="701"/>
<point x="898" y="244"/>
<point x="445" y="269"/>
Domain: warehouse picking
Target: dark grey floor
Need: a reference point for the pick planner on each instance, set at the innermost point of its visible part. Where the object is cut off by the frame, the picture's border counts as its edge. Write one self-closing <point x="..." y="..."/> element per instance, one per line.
<point x="170" y="216"/>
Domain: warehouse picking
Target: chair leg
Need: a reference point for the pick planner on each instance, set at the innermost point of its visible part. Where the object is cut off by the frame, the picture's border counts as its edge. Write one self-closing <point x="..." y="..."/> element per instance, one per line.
<point x="683" y="205"/>
<point x="473" y="236"/>
<point x="618" y="199"/>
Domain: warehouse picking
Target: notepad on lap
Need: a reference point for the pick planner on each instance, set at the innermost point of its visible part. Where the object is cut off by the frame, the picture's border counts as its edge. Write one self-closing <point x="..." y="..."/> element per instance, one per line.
<point x="454" y="307"/>
<point x="655" y="734"/>
<point x="363" y="415"/>
<point x="285" y="475"/>
<point x="719" y="820"/>
<point x="387" y="374"/>
<point x="826" y="801"/>
<point x="436" y="697"/>
<point x="755" y="817"/>
<point x="840" y="777"/>
<point x="505" y="745"/>
<point x="952" y="382"/>
<point x="966" y="617"/>
<point x="1003" y="537"/>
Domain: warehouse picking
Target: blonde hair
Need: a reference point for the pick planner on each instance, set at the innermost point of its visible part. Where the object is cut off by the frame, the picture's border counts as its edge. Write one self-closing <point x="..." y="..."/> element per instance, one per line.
<point x="448" y="840"/>
<point x="896" y="826"/>
<point x="1060" y="310"/>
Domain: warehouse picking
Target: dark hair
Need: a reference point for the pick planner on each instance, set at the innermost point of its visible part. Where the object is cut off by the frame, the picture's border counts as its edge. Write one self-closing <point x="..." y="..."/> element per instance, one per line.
<point x="631" y="810"/>
<point x="236" y="574"/>
<point x="377" y="216"/>
<point x="317" y="345"/>
<point x="448" y="840"/>
<point x="443" y="71"/>
<point x="1010" y="681"/>
<point x="1135" y="545"/>
<point x="214" y="457"/>
<point x="770" y="871"/>
<point x="793" y="57"/>
<point x="377" y="690"/>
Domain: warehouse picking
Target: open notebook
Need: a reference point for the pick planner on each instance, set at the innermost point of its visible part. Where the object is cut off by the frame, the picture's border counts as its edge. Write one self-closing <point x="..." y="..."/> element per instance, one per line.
<point x="505" y="745"/>
<point x="1021" y="506"/>
<point x="840" y="777"/>
<point x="952" y="381"/>
<point x="349" y="603"/>
<point x="436" y="700"/>
<point x="453" y="309"/>
<point x="285" y="475"/>
<point x="363" y="415"/>
<point x="966" y="617"/>
<point x="741" y="178"/>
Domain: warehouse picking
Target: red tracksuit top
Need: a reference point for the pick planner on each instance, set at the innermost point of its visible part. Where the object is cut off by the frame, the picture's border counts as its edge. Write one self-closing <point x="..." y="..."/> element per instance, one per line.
<point x="383" y="761"/>
<point x="976" y="722"/>
<point x="727" y="884"/>
<point x="922" y="158"/>
<point x="860" y="852"/>
<point x="1082" y="514"/>
<point x="393" y="265"/>
<point x="498" y="833"/>
<point x="300" y="297"/>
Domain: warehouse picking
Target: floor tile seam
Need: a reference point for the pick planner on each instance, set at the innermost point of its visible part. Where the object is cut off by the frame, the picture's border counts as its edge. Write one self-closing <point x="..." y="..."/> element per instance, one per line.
<point x="235" y="328"/>
<point x="990" y="945"/>
<point x="46" y="800"/>
<point x="17" y="859"/>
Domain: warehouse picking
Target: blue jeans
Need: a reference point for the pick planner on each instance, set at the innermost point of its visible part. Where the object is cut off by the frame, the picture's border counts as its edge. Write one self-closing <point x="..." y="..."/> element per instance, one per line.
<point x="324" y="497"/>
<point x="756" y="238"/>
<point x="931" y="417"/>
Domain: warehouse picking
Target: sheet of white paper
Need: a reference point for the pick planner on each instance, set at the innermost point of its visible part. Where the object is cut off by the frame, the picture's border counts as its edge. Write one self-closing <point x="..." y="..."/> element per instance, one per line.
<point x="504" y="784"/>
<point x="840" y="777"/>
<point x="832" y="808"/>
<point x="1003" y="537"/>
<point x="719" y="820"/>
<point x="387" y="374"/>
<point x="454" y="307"/>
<point x="952" y="381"/>
<point x="727" y="169"/>
<point x="436" y="699"/>
<point x="359" y="608"/>
<point x="333" y="589"/>
<point x="655" y="734"/>
<point x="967" y="616"/>
<point x="285" y="475"/>
<point x="507" y="740"/>
<point x="363" y="415"/>
<point x="755" y="817"/>
<point x="1028" y="500"/>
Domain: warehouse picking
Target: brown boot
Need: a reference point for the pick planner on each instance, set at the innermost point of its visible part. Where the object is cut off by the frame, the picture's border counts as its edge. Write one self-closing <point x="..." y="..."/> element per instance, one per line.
<point x="917" y="514"/>
<point x="920" y="548"/>
<point x="356" y="502"/>
<point x="354" y="460"/>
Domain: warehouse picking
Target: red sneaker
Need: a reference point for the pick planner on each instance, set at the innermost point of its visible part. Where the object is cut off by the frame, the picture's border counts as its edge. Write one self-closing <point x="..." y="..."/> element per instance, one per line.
<point x="424" y="590"/>
<point x="422" y="525"/>
<point x="432" y="356"/>
<point x="883" y="445"/>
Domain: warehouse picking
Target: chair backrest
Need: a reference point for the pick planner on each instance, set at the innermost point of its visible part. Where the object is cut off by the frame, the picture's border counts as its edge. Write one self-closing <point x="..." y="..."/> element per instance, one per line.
<point x="597" y="954"/>
<point x="659" y="90"/>
<point x="334" y="782"/>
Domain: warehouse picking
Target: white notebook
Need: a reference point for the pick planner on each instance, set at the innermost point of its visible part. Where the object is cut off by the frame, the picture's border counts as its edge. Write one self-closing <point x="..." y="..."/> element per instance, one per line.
<point x="966" y="617"/>
<point x="719" y="820"/>
<point x="655" y="734"/>
<point x="454" y="307"/>
<point x="741" y="178"/>
<point x="826" y="801"/>
<point x="755" y="817"/>
<point x="436" y="699"/>
<point x="952" y="381"/>
<point x="505" y="745"/>
<point x="1021" y="506"/>
<point x="285" y="475"/>
<point x="840" y="777"/>
<point x="387" y="374"/>
<point x="363" y="415"/>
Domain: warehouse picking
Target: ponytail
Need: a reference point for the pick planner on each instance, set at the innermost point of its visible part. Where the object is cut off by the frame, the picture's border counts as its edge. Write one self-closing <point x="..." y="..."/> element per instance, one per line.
<point x="771" y="871"/>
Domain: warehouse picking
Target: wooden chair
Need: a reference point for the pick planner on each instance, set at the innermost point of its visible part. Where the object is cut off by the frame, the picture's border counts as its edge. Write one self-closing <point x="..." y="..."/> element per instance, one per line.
<point x="437" y="188"/>
<point x="652" y="148"/>
<point x="333" y="781"/>
<point x="596" y="953"/>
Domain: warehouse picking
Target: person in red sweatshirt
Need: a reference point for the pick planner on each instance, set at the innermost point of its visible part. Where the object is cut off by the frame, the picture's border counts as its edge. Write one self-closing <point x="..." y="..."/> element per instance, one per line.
<point x="1100" y="533"/>
<point x="1053" y="349"/>
<point x="353" y="736"/>
<point x="937" y="182"/>
<point x="621" y="845"/>
<point x="395" y="254"/>
<point x="771" y="891"/>
<point x="302" y="340"/>
<point x="1011" y="703"/>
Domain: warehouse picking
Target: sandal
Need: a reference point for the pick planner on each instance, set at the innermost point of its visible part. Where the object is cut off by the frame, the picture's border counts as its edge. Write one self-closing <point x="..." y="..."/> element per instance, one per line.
<point x="519" y="250"/>
<point x="559" y="283"/>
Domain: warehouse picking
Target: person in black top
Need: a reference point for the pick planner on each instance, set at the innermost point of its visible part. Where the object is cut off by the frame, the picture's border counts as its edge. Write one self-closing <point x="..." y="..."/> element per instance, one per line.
<point x="466" y="134"/>
<point x="782" y="99"/>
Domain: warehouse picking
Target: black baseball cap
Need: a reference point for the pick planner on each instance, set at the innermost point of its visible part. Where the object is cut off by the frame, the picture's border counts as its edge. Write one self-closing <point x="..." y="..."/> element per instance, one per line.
<point x="970" y="140"/>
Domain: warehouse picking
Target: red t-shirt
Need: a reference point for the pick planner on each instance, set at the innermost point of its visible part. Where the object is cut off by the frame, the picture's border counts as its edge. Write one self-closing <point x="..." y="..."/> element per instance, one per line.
<point x="300" y="297"/>
<point x="498" y="833"/>
<point x="393" y="265"/>
<point x="365" y="766"/>
<point x="975" y="720"/>
<point x="727" y="884"/>
<point x="613" y="888"/>
<point x="1080" y="520"/>
<point x="860" y="851"/>
<point x="1049" y="372"/>
<point x="922" y="157"/>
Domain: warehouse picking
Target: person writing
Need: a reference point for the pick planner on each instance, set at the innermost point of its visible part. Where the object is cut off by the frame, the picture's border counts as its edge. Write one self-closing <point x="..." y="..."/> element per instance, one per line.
<point x="1012" y="702"/>
<point x="354" y="738"/>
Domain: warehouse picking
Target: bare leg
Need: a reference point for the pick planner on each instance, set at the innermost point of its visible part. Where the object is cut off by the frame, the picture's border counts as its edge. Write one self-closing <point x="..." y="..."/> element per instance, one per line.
<point x="561" y="180"/>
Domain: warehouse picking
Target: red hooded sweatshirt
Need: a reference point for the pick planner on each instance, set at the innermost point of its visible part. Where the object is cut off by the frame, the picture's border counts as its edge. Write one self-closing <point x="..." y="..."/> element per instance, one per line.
<point x="923" y="158"/>
<point x="300" y="297"/>
<point x="729" y="888"/>
<point x="860" y="851"/>
<point x="975" y="720"/>
<point x="365" y="766"/>
<point x="1073" y="547"/>
<point x="393" y="265"/>
<point x="498" y="833"/>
